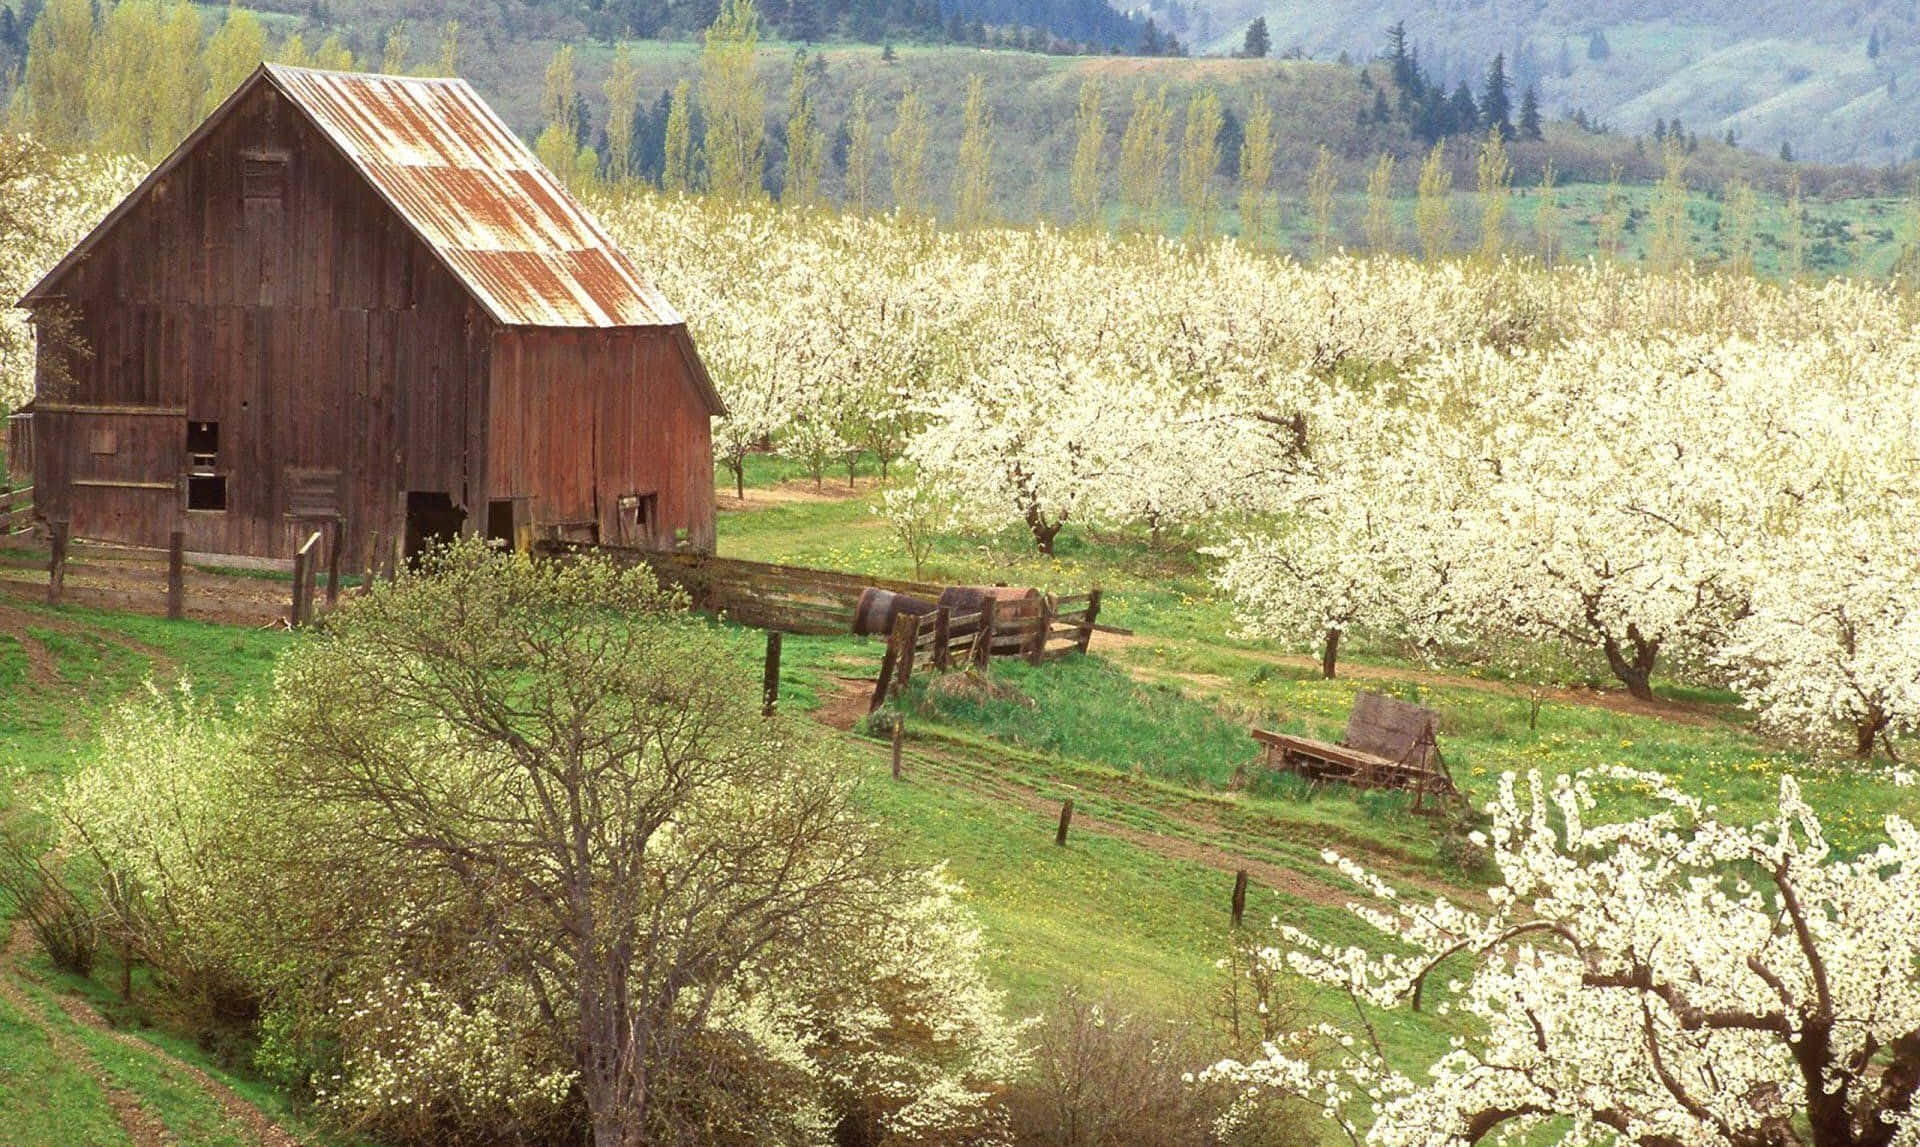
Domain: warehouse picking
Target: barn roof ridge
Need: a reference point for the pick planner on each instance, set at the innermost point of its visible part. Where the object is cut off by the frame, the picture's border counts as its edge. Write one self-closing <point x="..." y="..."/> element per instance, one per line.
<point x="442" y="160"/>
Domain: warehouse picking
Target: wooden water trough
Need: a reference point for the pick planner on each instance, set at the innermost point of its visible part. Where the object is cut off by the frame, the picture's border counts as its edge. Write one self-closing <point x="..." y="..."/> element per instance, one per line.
<point x="1389" y="744"/>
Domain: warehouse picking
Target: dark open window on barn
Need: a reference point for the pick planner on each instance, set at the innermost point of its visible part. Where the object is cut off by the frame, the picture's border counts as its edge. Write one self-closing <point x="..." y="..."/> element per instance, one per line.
<point x="263" y="177"/>
<point x="639" y="517"/>
<point x="206" y="489"/>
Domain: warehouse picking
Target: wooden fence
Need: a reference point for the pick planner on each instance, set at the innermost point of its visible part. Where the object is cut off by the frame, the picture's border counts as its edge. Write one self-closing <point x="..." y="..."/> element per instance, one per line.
<point x="943" y="640"/>
<point x="16" y="511"/>
<point x="794" y="599"/>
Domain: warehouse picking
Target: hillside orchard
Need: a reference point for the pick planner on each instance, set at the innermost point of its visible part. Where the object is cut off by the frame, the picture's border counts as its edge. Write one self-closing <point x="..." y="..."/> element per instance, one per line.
<point x="1682" y="475"/>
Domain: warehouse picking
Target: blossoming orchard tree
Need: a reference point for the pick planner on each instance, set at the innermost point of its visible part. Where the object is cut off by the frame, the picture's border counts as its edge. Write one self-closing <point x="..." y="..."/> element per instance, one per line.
<point x="1667" y="981"/>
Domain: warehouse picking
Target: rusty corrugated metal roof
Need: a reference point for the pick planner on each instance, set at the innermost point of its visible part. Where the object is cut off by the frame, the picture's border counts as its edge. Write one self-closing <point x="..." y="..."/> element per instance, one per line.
<point x="473" y="192"/>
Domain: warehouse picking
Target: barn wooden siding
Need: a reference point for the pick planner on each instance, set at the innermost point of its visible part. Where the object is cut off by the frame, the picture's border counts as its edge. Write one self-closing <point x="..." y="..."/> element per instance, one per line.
<point x="282" y="280"/>
<point x="582" y="417"/>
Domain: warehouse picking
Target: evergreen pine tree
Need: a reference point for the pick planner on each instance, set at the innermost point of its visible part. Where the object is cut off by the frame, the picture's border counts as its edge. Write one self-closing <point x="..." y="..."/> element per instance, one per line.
<point x="1530" y="126"/>
<point x="1496" y="104"/>
<point x="1462" y="116"/>
<point x="1257" y="43"/>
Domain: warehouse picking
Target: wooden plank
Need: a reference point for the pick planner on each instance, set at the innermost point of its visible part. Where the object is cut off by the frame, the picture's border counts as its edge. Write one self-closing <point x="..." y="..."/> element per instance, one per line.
<point x="108" y="408"/>
<point x="176" y="575"/>
<point x="1092" y="618"/>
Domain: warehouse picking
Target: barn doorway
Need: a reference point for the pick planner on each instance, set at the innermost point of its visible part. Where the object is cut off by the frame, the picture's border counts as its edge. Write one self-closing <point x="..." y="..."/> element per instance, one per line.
<point x="431" y="518"/>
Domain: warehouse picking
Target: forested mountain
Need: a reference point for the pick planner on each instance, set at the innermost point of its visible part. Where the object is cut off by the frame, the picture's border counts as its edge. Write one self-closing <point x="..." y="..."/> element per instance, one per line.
<point x="1831" y="81"/>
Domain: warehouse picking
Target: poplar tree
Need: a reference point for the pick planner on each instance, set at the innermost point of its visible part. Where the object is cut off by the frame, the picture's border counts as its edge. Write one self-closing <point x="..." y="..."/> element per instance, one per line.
<point x="1795" y="241"/>
<point x="1143" y="155"/>
<point x="973" y="176"/>
<point x="1321" y="185"/>
<point x="1546" y="217"/>
<point x="860" y="153"/>
<point x="1433" y="205"/>
<point x="448" y="61"/>
<point x="556" y="96"/>
<point x="1495" y="184"/>
<point x="1742" y="217"/>
<point x="676" y="173"/>
<point x="1380" y="206"/>
<point x="907" y="153"/>
<point x="806" y="143"/>
<point x="53" y="96"/>
<point x="623" y="107"/>
<point x="123" y="82"/>
<point x="1199" y="156"/>
<point x="1669" y="240"/>
<point x="293" y="51"/>
<point x="1256" y="171"/>
<point x="179" y="79"/>
<point x="233" y="52"/>
<point x="393" y="55"/>
<point x="333" y="56"/>
<point x="1090" y="136"/>
<point x="732" y="102"/>
<point x="1613" y="216"/>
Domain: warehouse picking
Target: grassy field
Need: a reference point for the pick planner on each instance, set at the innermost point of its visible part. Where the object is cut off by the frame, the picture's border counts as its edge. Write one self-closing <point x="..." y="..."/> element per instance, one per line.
<point x="1147" y="737"/>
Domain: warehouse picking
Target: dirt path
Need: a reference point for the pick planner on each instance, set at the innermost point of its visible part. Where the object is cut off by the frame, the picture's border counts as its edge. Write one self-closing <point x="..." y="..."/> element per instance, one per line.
<point x="142" y="1126"/>
<point x="140" y="1123"/>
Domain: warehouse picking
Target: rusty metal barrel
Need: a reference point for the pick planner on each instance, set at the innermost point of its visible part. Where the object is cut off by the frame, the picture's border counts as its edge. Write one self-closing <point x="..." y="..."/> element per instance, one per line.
<point x="1011" y="605"/>
<point x="874" y="614"/>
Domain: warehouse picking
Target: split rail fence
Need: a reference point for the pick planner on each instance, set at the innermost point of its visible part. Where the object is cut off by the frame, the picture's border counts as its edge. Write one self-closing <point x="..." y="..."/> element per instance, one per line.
<point x="942" y="640"/>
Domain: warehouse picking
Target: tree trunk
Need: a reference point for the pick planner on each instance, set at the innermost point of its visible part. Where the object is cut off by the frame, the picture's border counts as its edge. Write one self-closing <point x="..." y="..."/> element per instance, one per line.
<point x="739" y="469"/>
<point x="1634" y="672"/>
<point x="1330" y="653"/>
<point x="1866" y="731"/>
<point x="1043" y="531"/>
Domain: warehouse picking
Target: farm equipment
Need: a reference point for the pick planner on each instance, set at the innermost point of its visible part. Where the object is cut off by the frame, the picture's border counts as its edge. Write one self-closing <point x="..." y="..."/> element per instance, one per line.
<point x="1389" y="744"/>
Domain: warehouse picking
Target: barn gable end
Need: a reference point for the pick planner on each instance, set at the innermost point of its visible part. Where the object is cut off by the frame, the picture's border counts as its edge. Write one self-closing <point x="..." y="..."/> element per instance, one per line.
<point x="292" y="321"/>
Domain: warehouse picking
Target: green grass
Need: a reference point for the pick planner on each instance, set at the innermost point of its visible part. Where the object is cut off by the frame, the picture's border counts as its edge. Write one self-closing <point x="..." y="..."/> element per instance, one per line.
<point x="44" y="1100"/>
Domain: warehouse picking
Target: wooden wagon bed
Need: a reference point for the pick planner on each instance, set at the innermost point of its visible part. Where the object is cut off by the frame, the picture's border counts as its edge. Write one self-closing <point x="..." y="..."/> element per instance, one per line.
<point x="1389" y="744"/>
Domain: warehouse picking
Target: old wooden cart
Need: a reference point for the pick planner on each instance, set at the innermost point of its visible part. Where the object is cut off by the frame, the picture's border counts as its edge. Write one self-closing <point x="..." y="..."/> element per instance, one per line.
<point x="1389" y="744"/>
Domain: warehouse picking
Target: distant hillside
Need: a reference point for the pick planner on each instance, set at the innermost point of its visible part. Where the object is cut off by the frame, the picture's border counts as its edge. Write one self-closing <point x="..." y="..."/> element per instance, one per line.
<point x="1836" y="82"/>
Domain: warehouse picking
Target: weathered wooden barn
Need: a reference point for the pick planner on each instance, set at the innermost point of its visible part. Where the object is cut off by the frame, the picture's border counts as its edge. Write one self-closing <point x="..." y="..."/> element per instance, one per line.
<point x="361" y="299"/>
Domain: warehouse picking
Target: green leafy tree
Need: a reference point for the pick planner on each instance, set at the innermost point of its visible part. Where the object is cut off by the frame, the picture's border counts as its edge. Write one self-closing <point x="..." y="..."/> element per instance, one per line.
<point x="447" y="63"/>
<point x="1199" y="158"/>
<point x="1090" y="140"/>
<point x="293" y="51"/>
<point x="623" y="107"/>
<point x="1322" y="182"/>
<point x="860" y="153"/>
<point x="557" y="92"/>
<point x="806" y="142"/>
<point x="399" y="45"/>
<point x="1433" y="205"/>
<point x="1742" y="226"/>
<point x="732" y="102"/>
<point x="1256" y="173"/>
<point x="53" y="97"/>
<point x="1669" y="245"/>
<point x="907" y="153"/>
<point x="973" y="174"/>
<point x="233" y="52"/>
<point x="1546" y="217"/>
<point x="333" y="55"/>
<point x="1494" y="172"/>
<point x="677" y="172"/>
<point x="1380" y="238"/>
<point x="1143" y="156"/>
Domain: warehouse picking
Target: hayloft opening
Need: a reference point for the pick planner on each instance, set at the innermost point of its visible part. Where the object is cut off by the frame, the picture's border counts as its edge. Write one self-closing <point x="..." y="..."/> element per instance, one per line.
<point x="206" y="489"/>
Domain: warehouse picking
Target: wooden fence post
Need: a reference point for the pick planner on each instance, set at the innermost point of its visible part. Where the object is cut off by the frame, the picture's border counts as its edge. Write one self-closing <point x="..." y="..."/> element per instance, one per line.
<point x="942" y="656"/>
<point x="57" y="564"/>
<point x="906" y="631"/>
<point x="335" y="543"/>
<point x="983" y="637"/>
<point x="1093" y="615"/>
<point x="305" y="574"/>
<point x="1037" y="651"/>
<point x="176" y="575"/>
<point x="1239" y="896"/>
<point x="885" y="679"/>
<point x="1066" y="818"/>
<point x="899" y="733"/>
<point x="770" y="678"/>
